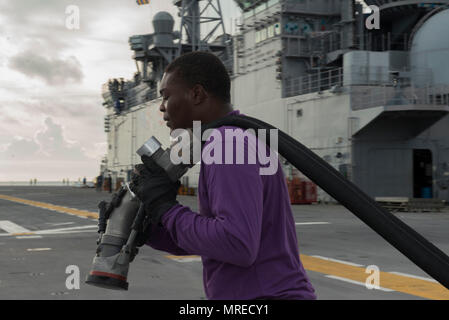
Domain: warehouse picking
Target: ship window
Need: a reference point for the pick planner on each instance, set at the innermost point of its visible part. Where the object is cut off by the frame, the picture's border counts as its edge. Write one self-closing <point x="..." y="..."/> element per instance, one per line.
<point x="263" y="34"/>
<point x="257" y="36"/>
<point x="292" y="27"/>
<point x="277" y="29"/>
<point x="271" y="31"/>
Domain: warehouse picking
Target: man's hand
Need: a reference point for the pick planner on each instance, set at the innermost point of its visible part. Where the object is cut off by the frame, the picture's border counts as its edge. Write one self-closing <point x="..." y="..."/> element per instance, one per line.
<point x="154" y="188"/>
<point x="106" y="208"/>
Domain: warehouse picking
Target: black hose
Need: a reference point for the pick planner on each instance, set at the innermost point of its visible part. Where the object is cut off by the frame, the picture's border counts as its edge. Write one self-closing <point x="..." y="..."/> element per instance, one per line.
<point x="410" y="243"/>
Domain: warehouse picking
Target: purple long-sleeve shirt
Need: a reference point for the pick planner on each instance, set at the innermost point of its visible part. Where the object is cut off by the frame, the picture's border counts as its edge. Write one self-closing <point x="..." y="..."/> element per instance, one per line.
<point x="244" y="231"/>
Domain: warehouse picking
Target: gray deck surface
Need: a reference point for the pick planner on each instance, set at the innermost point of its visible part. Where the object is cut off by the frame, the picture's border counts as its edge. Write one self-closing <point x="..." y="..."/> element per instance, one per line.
<point x="28" y="274"/>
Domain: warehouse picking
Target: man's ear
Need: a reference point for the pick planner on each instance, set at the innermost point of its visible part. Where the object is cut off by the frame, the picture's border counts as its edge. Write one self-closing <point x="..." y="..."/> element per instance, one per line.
<point x="198" y="94"/>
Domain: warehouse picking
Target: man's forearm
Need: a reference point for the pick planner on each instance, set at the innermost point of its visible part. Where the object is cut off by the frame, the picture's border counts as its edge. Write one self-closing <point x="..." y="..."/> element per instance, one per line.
<point x="210" y="237"/>
<point x="161" y="240"/>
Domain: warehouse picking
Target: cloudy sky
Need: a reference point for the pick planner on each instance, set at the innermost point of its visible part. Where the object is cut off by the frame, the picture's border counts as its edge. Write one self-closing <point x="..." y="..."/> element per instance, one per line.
<point x="51" y="114"/>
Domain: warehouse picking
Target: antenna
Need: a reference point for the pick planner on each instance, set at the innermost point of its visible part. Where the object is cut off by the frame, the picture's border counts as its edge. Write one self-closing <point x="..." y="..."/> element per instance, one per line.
<point x="206" y="18"/>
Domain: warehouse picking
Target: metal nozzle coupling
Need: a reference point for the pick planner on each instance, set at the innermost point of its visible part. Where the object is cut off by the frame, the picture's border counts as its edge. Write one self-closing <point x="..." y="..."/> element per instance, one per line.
<point x="117" y="241"/>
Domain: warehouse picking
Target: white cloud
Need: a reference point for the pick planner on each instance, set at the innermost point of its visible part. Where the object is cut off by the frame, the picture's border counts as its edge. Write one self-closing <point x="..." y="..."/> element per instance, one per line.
<point x="54" y="71"/>
<point x="48" y="144"/>
<point x="42" y="97"/>
<point x="48" y="155"/>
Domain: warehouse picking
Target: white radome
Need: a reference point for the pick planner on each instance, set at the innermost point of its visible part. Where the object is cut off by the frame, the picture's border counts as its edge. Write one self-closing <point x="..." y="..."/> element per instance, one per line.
<point x="429" y="54"/>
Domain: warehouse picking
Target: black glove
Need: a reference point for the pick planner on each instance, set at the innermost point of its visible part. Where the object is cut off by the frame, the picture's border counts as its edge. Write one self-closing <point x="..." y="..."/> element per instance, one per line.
<point x="154" y="188"/>
<point x="105" y="208"/>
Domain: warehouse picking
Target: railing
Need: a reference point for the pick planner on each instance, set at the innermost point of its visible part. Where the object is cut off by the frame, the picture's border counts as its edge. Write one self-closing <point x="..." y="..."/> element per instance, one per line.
<point x="311" y="6"/>
<point x="139" y="95"/>
<point x="380" y="90"/>
<point x="313" y="83"/>
<point x="383" y="42"/>
<point x="305" y="45"/>
<point x="363" y="97"/>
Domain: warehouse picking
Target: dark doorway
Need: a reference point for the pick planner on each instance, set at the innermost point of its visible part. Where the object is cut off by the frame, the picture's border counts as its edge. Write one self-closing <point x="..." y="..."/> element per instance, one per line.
<point x="422" y="173"/>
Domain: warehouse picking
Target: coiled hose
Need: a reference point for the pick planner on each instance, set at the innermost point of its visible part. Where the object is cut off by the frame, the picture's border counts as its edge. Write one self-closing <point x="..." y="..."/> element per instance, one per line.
<point x="405" y="239"/>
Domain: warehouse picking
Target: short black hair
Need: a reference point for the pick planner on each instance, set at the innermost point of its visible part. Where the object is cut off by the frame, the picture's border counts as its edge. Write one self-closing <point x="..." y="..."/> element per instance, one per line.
<point x="206" y="69"/>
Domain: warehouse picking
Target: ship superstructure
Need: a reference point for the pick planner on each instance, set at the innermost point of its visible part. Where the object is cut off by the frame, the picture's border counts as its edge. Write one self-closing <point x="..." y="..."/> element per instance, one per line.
<point x="374" y="103"/>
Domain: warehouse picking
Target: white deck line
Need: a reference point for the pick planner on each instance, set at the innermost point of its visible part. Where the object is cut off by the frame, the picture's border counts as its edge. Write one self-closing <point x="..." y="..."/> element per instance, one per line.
<point x="309" y="223"/>
<point x="65" y="229"/>
<point x="358" y="283"/>
<point x="29" y="237"/>
<point x="340" y="261"/>
<point x="11" y="227"/>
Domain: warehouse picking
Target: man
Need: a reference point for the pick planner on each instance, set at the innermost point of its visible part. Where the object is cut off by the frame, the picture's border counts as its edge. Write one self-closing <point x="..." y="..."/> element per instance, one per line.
<point x="244" y="230"/>
<point x="99" y="182"/>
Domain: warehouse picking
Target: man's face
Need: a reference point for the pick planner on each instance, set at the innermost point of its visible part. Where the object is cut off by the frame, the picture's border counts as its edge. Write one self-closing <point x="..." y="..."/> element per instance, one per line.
<point x="176" y="104"/>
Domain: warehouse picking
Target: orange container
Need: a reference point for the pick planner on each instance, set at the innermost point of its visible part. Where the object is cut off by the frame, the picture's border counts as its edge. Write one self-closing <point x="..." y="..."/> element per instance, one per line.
<point x="301" y="192"/>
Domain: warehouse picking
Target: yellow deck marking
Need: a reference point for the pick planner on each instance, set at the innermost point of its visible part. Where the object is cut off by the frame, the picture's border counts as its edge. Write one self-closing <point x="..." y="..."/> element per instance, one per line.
<point x="48" y="206"/>
<point x="400" y="283"/>
<point x="413" y="286"/>
<point x="184" y="258"/>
